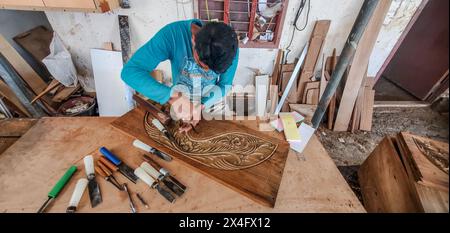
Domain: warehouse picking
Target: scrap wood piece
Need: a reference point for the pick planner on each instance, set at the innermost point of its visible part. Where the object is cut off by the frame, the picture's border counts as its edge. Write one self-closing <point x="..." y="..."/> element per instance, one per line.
<point x="323" y="79"/>
<point x="16" y="127"/>
<point x="312" y="96"/>
<point x="31" y="78"/>
<point x="309" y="86"/>
<point x="367" y="110"/>
<point x="385" y="186"/>
<point x="315" y="46"/>
<point x="306" y="110"/>
<point x="277" y="68"/>
<point x="53" y="84"/>
<point x="259" y="183"/>
<point x="65" y="93"/>
<point x="401" y="104"/>
<point x="36" y="42"/>
<point x="359" y="66"/>
<point x="422" y="158"/>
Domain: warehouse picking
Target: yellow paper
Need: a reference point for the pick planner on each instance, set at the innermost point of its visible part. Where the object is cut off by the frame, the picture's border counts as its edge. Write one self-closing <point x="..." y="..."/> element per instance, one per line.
<point x="290" y="127"/>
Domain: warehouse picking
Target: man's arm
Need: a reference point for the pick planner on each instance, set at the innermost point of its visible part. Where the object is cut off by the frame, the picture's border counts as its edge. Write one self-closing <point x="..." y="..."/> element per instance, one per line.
<point x="224" y="84"/>
<point x="136" y="73"/>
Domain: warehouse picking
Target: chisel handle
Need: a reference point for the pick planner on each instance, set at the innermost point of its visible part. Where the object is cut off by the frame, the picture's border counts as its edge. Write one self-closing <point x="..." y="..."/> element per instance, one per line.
<point x="108" y="164"/>
<point x="154" y="164"/>
<point x="89" y="165"/>
<point x="100" y="172"/>
<point x="62" y="182"/>
<point x="141" y="145"/>
<point x="151" y="171"/>
<point x="146" y="178"/>
<point x="78" y="192"/>
<point x="109" y="155"/>
<point x="103" y="168"/>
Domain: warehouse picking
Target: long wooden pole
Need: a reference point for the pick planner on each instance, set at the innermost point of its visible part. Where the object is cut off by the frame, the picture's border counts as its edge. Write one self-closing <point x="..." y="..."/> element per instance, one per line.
<point x="349" y="50"/>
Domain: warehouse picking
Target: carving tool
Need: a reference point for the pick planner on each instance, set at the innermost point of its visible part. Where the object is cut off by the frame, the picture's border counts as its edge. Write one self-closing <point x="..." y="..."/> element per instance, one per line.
<point x="165" y="173"/>
<point x="57" y="188"/>
<point x="163" y="129"/>
<point x="76" y="195"/>
<point x="160" y="177"/>
<point x="142" y="200"/>
<point x="132" y="207"/>
<point x="93" y="187"/>
<point x="123" y="168"/>
<point x="146" y="178"/>
<point x="147" y="148"/>
<point x="106" y="173"/>
<point x="193" y="128"/>
<point x="153" y="110"/>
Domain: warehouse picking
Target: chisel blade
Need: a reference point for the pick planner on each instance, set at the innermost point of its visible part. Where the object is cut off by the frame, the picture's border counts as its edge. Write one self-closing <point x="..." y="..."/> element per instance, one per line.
<point x="94" y="192"/>
<point x="172" y="186"/>
<point x="166" y="194"/>
<point x="128" y="172"/>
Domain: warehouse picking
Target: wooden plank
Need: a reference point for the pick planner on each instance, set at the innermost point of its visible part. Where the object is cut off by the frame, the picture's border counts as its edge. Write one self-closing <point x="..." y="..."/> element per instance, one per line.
<point x="31" y="78"/>
<point x="323" y="79"/>
<point x="320" y="189"/>
<point x="79" y="4"/>
<point x="251" y="24"/>
<point x="36" y="42"/>
<point x="65" y="93"/>
<point x="16" y="127"/>
<point x="315" y="46"/>
<point x="428" y="160"/>
<point x="243" y="177"/>
<point x="359" y="66"/>
<point x="367" y="111"/>
<point x="28" y="3"/>
<point x="384" y="183"/>
<point x="277" y="68"/>
<point x="306" y="110"/>
<point x="309" y="86"/>
<point x="7" y="93"/>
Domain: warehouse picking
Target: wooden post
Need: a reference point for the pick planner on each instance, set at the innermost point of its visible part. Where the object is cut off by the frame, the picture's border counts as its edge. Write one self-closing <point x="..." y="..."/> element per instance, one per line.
<point x="226" y="11"/>
<point x="252" y="19"/>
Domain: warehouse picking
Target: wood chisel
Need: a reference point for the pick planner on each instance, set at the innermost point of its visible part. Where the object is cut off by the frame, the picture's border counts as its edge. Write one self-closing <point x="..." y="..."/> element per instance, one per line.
<point x="146" y="178"/>
<point x="58" y="187"/>
<point x="160" y="177"/>
<point x="76" y="195"/>
<point x="166" y="174"/>
<point x="147" y="148"/>
<point x="163" y="129"/>
<point x="123" y="168"/>
<point x="106" y="173"/>
<point x="94" y="189"/>
<point x="132" y="207"/>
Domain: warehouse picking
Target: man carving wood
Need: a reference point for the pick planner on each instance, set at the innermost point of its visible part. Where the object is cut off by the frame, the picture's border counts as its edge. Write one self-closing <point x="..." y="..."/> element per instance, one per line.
<point x="203" y="58"/>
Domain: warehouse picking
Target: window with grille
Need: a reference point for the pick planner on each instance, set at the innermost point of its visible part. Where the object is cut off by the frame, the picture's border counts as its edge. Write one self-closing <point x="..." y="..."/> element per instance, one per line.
<point x="258" y="23"/>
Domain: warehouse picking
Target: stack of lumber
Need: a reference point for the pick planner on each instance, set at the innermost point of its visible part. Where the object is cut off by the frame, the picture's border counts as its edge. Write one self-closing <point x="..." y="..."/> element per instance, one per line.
<point x="351" y="108"/>
<point x="46" y="92"/>
<point x="406" y="173"/>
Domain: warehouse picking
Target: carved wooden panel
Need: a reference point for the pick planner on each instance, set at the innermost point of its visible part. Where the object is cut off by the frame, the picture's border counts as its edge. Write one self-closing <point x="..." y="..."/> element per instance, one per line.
<point x="240" y="158"/>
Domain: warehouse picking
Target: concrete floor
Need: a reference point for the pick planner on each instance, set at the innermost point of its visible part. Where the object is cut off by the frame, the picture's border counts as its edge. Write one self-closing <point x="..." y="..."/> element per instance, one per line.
<point x="350" y="150"/>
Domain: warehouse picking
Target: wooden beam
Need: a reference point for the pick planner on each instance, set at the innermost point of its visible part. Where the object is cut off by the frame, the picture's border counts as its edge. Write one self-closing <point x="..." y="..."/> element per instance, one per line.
<point x="226" y="11"/>
<point x="251" y="25"/>
<point x="31" y="78"/>
<point x="359" y="66"/>
<point x="7" y="93"/>
<point x="315" y="46"/>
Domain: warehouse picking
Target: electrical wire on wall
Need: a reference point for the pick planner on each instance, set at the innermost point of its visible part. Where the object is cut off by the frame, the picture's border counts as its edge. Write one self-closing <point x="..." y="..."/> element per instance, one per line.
<point x="295" y="23"/>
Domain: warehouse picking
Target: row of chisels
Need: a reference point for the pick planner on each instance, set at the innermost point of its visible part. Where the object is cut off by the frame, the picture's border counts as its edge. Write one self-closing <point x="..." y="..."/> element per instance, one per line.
<point x="150" y="172"/>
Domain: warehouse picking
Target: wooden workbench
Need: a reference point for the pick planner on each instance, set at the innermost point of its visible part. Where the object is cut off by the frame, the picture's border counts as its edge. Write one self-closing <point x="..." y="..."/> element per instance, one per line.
<point x="31" y="166"/>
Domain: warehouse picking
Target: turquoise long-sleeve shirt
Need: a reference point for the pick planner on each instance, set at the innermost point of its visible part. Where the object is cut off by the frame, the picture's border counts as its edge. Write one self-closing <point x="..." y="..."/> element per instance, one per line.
<point x="174" y="43"/>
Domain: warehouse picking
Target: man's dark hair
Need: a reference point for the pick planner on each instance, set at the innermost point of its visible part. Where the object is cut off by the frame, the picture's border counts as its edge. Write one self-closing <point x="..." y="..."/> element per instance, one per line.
<point x="216" y="45"/>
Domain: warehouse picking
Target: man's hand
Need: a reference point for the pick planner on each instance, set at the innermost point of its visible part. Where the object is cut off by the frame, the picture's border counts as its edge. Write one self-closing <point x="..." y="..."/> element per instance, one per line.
<point x="183" y="109"/>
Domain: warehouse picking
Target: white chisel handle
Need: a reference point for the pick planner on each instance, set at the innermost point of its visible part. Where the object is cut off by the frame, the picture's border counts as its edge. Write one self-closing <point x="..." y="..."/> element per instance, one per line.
<point x="139" y="172"/>
<point x="78" y="192"/>
<point x="141" y="145"/>
<point x="89" y="165"/>
<point x="151" y="170"/>
<point x="158" y="125"/>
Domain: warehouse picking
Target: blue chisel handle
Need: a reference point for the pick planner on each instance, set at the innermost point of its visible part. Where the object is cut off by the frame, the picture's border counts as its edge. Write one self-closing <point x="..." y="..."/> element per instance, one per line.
<point x="110" y="156"/>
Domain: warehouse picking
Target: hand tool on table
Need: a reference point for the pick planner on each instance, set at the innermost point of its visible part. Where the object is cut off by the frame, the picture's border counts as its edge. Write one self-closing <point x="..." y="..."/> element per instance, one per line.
<point x="168" y="179"/>
<point x="146" y="178"/>
<point x="123" y="168"/>
<point x="93" y="187"/>
<point x="58" y="187"/>
<point x="142" y="200"/>
<point x="132" y="207"/>
<point x="147" y="148"/>
<point x="104" y="172"/>
<point x="160" y="177"/>
<point x="76" y="195"/>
